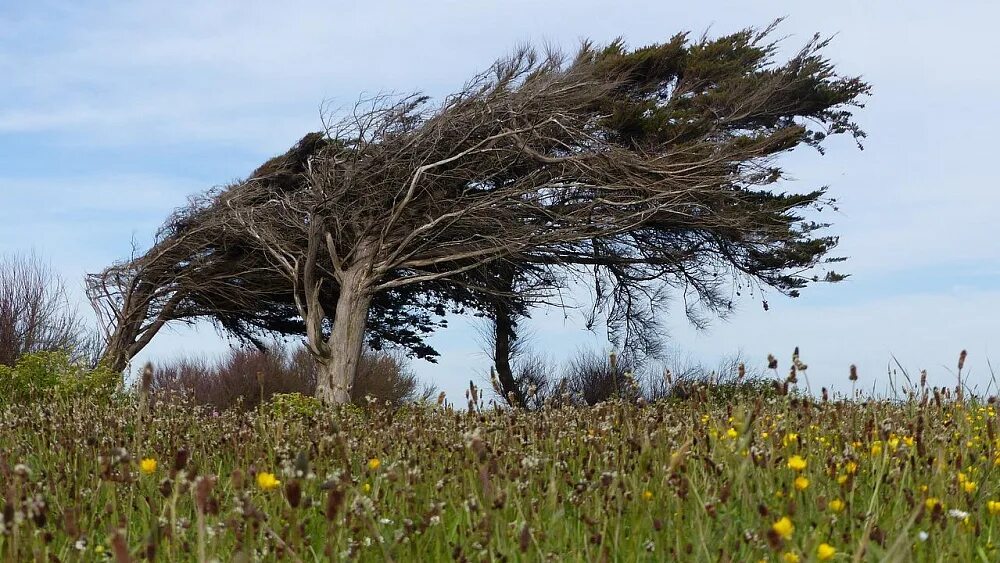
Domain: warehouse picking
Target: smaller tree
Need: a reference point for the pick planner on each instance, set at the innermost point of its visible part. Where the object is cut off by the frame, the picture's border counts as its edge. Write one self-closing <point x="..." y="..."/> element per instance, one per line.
<point x="35" y="312"/>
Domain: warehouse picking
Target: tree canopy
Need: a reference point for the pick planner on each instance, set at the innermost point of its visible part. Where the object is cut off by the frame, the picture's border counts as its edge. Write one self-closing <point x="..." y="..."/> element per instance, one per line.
<point x="652" y="168"/>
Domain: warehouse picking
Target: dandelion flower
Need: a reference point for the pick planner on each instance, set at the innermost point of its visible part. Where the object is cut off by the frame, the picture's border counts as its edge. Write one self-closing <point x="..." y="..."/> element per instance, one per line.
<point x="797" y="463"/>
<point x="825" y="551"/>
<point x="647" y="495"/>
<point x="932" y="502"/>
<point x="148" y="466"/>
<point x="267" y="481"/>
<point x="790" y="557"/>
<point x="784" y="528"/>
<point x="876" y="448"/>
<point x="851" y="467"/>
<point x="374" y="463"/>
<point x="367" y="488"/>
<point x="969" y="487"/>
<point x="836" y="505"/>
<point x="993" y="507"/>
<point x="789" y="439"/>
<point x="801" y="483"/>
<point x="732" y="433"/>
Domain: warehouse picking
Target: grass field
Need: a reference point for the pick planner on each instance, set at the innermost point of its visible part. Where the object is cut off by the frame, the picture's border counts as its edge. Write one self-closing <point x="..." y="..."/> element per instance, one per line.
<point x="770" y="478"/>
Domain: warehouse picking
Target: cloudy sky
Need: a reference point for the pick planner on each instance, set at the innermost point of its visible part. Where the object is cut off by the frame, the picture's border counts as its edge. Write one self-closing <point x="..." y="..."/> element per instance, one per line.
<point x="112" y="113"/>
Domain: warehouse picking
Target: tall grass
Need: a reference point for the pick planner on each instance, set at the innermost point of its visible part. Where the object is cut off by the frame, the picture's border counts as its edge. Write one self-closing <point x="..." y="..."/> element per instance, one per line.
<point x="707" y="477"/>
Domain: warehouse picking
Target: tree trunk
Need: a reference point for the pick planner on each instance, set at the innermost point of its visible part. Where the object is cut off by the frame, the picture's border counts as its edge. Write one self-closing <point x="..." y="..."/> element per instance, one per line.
<point x="337" y="371"/>
<point x="115" y="356"/>
<point x="505" y="335"/>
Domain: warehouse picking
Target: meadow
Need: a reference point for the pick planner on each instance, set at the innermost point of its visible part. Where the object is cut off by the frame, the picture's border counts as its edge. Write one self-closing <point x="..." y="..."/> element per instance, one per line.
<point x="732" y="476"/>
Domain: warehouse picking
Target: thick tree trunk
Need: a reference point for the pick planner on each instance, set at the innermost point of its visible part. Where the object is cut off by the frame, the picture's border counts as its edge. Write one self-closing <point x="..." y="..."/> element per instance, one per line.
<point x="337" y="371"/>
<point x="116" y="356"/>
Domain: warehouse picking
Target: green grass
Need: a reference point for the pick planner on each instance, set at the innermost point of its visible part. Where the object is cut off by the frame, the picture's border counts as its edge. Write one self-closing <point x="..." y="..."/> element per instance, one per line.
<point x="694" y="480"/>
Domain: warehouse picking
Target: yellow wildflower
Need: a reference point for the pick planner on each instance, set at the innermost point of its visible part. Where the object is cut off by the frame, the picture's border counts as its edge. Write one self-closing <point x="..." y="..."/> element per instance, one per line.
<point x="267" y="481"/>
<point x="908" y="440"/>
<point x="851" y="467"/>
<point x="789" y="439"/>
<point x="876" y="448"/>
<point x="647" y="495"/>
<point x="148" y="466"/>
<point x="836" y="505"/>
<point x="932" y="502"/>
<point x="801" y="483"/>
<point x="790" y="557"/>
<point x="367" y="488"/>
<point x="993" y="507"/>
<point x="797" y="463"/>
<point x="374" y="463"/>
<point x="969" y="487"/>
<point x="825" y="551"/>
<point x="732" y="433"/>
<point x="784" y="528"/>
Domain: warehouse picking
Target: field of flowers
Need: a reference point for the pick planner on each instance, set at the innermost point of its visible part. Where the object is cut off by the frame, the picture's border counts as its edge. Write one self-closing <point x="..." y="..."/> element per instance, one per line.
<point x="769" y="478"/>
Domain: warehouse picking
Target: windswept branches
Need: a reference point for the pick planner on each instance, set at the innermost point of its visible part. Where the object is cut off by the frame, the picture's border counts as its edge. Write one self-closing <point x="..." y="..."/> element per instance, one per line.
<point x="653" y="168"/>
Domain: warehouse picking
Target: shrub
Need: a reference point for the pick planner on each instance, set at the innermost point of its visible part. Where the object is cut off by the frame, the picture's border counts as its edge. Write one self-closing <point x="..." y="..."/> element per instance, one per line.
<point x="35" y="312"/>
<point x="285" y="405"/>
<point x="41" y="375"/>
<point x="244" y="378"/>
<point x="595" y="378"/>
<point x="387" y="378"/>
<point x="726" y="383"/>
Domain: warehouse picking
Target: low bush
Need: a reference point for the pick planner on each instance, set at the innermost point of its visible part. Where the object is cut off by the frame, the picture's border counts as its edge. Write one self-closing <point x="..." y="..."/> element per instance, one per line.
<point x="39" y="375"/>
<point x="245" y="378"/>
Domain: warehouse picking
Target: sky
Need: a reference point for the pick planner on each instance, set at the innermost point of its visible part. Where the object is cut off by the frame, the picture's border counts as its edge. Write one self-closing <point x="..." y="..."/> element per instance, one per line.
<point x="113" y="113"/>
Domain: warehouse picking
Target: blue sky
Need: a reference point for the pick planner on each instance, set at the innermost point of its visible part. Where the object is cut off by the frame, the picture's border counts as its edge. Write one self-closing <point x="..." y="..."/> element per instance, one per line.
<point x="112" y="113"/>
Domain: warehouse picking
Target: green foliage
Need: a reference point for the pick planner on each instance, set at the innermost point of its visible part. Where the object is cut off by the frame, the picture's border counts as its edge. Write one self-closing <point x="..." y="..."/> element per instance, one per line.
<point x="44" y="375"/>
<point x="294" y="405"/>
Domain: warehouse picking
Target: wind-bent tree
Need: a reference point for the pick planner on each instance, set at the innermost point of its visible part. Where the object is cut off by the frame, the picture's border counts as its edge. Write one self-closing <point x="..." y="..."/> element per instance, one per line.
<point x="200" y="267"/>
<point x="549" y="161"/>
<point x="693" y="98"/>
<point x="650" y="168"/>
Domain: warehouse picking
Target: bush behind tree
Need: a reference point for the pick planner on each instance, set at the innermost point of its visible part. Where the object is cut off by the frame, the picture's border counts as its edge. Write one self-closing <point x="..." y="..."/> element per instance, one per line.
<point x="246" y="377"/>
